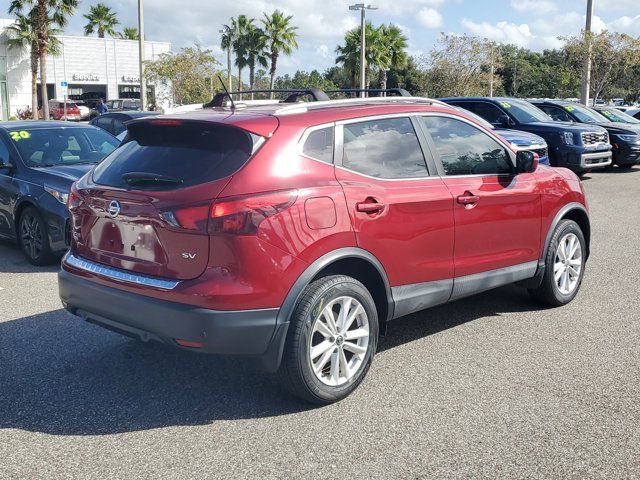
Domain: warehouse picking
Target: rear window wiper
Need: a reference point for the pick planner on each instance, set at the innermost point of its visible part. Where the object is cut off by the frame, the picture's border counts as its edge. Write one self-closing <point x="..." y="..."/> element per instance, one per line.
<point x="141" y="178"/>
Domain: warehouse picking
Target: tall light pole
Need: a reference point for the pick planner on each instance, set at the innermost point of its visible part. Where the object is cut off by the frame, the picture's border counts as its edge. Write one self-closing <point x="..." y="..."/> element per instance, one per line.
<point x="143" y="84"/>
<point x="586" y="80"/>
<point x="491" y="72"/>
<point x="225" y="31"/>
<point x="363" y="8"/>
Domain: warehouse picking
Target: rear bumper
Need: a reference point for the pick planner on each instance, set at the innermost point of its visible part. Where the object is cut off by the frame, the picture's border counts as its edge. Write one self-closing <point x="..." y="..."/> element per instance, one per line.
<point x="246" y="332"/>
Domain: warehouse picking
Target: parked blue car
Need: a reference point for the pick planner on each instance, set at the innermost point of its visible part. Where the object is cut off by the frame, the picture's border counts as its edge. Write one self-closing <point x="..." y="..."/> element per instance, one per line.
<point x="579" y="147"/>
<point x="38" y="163"/>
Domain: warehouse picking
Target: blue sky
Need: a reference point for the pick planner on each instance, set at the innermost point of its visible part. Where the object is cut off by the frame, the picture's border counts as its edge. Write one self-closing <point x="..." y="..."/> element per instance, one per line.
<point x="534" y="24"/>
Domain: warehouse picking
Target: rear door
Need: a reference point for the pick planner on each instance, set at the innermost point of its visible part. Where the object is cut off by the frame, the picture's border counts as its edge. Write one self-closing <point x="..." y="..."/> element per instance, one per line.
<point x="147" y="205"/>
<point x="400" y="212"/>
<point x="497" y="213"/>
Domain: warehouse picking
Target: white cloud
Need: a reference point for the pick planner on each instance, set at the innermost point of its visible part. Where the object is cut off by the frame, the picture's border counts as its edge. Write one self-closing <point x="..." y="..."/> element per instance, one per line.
<point x="429" y="18"/>
<point x="323" y="51"/>
<point x="539" y="7"/>
<point x="630" y="25"/>
<point x="503" y="32"/>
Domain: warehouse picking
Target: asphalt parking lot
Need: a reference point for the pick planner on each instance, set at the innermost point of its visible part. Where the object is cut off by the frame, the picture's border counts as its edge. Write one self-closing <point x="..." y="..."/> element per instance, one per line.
<point x="488" y="387"/>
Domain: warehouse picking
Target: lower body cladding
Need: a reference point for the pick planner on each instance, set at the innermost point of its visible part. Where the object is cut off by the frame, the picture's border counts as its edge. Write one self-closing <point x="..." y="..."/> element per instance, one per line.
<point x="257" y="333"/>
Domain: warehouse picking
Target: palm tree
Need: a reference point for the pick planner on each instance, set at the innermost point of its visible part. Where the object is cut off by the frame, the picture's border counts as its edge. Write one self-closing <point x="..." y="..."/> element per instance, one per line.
<point x="46" y="15"/>
<point x="226" y="43"/>
<point x="22" y="34"/>
<point x="391" y="48"/>
<point x="102" y="19"/>
<point x="254" y="52"/>
<point x="349" y="54"/>
<point x="240" y="27"/>
<point x="129" y="33"/>
<point x="280" y="38"/>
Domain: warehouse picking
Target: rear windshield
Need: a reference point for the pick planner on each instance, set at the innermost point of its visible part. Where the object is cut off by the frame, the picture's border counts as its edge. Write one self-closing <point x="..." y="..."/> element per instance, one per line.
<point x="169" y="156"/>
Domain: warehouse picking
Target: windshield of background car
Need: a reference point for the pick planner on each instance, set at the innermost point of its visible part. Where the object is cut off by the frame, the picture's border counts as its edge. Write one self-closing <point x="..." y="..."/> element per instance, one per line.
<point x="524" y="112"/>
<point x="585" y="115"/>
<point x="617" y="116"/>
<point x="47" y="147"/>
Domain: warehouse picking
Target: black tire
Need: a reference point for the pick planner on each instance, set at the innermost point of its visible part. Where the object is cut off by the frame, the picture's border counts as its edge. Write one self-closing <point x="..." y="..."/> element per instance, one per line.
<point x="296" y="371"/>
<point x="548" y="293"/>
<point x="33" y="237"/>
<point x="626" y="166"/>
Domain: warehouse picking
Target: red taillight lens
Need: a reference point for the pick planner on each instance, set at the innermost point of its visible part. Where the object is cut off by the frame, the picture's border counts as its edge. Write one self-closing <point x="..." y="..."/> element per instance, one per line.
<point x="74" y="199"/>
<point x="243" y="216"/>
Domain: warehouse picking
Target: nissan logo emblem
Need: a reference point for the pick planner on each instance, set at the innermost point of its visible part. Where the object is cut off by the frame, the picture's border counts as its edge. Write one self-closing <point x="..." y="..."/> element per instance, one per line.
<point x="113" y="210"/>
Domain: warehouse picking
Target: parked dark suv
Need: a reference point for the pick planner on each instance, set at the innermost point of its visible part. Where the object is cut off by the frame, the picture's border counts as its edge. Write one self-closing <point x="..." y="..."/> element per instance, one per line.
<point x="625" y="137"/>
<point x="295" y="233"/>
<point x="578" y="147"/>
<point x="38" y="163"/>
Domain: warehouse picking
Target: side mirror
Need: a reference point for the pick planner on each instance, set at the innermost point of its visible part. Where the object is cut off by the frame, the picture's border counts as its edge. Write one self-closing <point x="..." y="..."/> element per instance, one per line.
<point x="526" y="162"/>
<point x="504" y="121"/>
<point x="5" y="164"/>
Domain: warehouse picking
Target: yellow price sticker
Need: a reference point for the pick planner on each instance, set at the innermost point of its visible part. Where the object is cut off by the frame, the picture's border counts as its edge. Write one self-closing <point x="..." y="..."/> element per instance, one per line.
<point x="505" y="104"/>
<point x="16" y="135"/>
<point x="607" y="113"/>
<point x="569" y="108"/>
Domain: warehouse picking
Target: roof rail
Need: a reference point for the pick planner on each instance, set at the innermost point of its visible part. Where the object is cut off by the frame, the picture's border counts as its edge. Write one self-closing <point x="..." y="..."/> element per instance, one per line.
<point x="401" y="92"/>
<point x="294" y="94"/>
<point x="308" y="106"/>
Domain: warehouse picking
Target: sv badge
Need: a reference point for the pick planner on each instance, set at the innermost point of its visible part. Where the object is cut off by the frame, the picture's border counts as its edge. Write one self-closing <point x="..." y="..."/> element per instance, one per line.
<point x="189" y="256"/>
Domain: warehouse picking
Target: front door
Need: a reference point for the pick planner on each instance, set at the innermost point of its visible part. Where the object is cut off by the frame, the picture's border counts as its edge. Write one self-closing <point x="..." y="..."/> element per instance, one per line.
<point x="401" y="214"/>
<point x="8" y="190"/>
<point x="497" y="213"/>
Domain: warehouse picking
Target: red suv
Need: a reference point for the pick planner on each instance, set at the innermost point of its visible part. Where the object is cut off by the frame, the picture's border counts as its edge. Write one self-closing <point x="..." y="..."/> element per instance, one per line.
<point x="295" y="233"/>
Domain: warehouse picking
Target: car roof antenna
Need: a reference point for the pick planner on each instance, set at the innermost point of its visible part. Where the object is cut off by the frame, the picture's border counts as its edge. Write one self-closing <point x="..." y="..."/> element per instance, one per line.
<point x="233" y="105"/>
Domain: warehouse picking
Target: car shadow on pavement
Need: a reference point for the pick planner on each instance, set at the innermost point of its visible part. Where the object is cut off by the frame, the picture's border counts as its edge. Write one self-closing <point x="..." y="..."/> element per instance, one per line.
<point x="13" y="261"/>
<point x="62" y="376"/>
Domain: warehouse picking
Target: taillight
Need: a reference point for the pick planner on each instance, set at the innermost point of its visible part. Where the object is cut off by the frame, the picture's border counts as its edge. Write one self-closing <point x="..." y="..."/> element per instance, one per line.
<point x="189" y="218"/>
<point x="74" y="199"/>
<point x="243" y="215"/>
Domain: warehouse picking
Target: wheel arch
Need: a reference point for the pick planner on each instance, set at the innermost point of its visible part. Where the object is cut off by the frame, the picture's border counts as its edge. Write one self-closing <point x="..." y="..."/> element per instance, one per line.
<point x="352" y="261"/>
<point x="573" y="211"/>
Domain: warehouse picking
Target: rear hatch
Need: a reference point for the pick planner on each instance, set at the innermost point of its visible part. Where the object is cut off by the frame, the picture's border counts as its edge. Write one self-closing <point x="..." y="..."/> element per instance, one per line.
<point x="146" y="207"/>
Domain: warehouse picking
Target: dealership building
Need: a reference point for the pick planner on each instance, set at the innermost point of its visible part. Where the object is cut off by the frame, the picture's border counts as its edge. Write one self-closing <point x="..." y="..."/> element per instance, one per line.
<point x="106" y="67"/>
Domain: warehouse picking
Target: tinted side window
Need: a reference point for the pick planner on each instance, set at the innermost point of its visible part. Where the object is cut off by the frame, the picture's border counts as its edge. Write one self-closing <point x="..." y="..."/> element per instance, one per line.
<point x="558" y="114"/>
<point x="489" y="112"/>
<point x="4" y="152"/>
<point x="464" y="149"/>
<point x="105" y="123"/>
<point x="319" y="145"/>
<point x="384" y="148"/>
<point x="118" y="126"/>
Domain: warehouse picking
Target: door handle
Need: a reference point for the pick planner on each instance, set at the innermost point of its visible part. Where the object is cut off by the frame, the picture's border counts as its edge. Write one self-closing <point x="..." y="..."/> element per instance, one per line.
<point x="369" y="207"/>
<point x="468" y="198"/>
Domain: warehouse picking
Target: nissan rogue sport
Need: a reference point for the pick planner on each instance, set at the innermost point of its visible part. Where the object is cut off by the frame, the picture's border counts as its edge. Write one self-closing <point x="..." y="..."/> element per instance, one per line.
<point x="295" y="233"/>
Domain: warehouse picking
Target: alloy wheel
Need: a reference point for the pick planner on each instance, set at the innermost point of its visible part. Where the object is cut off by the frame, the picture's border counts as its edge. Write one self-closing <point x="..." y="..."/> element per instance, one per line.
<point x="339" y="341"/>
<point x="31" y="236"/>
<point x="568" y="262"/>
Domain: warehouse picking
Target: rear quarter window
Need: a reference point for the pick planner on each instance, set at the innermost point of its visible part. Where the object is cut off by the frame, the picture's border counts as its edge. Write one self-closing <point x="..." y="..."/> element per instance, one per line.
<point x="191" y="153"/>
